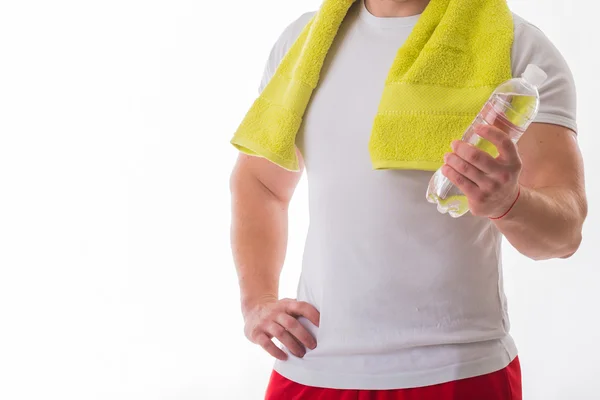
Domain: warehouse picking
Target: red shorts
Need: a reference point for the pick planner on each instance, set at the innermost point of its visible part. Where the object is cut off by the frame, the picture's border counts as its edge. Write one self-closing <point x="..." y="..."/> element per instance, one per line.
<point x="500" y="385"/>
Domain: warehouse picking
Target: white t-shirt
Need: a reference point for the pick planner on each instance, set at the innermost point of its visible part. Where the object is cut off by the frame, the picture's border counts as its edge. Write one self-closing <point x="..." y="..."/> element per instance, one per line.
<point x="408" y="297"/>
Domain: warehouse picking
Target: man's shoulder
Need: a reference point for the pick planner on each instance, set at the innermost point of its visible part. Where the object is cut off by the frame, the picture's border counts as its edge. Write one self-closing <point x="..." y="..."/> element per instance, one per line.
<point x="303" y="19"/>
<point x="283" y="43"/>
<point x="557" y="93"/>
<point x="524" y="27"/>
<point x="531" y="45"/>
<point x="293" y="30"/>
<point x="529" y="35"/>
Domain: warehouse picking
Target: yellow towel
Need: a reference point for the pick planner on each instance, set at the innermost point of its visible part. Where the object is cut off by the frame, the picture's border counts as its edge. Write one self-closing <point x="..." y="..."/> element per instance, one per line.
<point x="456" y="55"/>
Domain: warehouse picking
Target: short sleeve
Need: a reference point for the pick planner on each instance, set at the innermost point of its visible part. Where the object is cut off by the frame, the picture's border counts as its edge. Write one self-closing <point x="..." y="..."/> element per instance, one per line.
<point x="557" y="94"/>
<point x="281" y="46"/>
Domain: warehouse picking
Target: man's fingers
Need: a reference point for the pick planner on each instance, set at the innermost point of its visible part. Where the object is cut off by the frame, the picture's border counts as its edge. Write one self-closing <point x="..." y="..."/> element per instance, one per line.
<point x="295" y="347"/>
<point x="270" y="347"/>
<point x="292" y="325"/>
<point x="474" y="156"/>
<point x="279" y="332"/>
<point x="303" y="309"/>
<point x="466" y="186"/>
<point x="465" y="168"/>
<point x="506" y="148"/>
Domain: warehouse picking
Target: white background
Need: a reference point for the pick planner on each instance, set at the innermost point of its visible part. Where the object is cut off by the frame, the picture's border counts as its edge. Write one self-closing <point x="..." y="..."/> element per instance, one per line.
<point x="116" y="280"/>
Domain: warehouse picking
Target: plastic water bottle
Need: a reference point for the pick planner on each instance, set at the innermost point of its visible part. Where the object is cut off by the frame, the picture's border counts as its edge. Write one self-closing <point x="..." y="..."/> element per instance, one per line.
<point x="511" y="107"/>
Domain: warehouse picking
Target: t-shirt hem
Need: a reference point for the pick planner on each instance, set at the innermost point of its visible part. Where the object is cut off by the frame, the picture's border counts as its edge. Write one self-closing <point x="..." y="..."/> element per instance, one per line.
<point x="404" y="380"/>
<point x="556" y="120"/>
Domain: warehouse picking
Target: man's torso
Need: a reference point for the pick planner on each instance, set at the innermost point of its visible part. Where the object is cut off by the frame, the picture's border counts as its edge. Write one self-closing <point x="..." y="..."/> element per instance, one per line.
<point x="408" y="297"/>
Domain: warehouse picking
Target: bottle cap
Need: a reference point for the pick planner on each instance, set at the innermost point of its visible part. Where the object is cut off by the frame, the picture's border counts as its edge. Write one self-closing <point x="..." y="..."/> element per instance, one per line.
<point x="534" y="75"/>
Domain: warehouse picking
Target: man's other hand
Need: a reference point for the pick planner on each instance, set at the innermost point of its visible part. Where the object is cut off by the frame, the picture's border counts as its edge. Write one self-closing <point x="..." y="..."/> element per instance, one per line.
<point x="273" y="318"/>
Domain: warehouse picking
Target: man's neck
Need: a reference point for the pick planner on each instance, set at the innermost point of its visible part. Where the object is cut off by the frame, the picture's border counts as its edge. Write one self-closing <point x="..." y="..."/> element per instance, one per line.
<point x="396" y="8"/>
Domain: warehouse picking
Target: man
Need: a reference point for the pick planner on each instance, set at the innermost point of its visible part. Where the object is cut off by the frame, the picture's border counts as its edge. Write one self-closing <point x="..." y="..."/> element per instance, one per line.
<point x="395" y="300"/>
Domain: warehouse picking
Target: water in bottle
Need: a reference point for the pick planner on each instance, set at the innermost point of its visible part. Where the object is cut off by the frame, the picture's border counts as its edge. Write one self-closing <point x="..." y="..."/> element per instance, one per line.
<point x="511" y="107"/>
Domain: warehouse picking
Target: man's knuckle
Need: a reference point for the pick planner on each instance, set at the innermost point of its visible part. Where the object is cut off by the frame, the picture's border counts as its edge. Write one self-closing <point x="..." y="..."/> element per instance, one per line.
<point x="494" y="134"/>
<point x="283" y="303"/>
<point x="489" y="164"/>
<point x="304" y="338"/>
<point x="259" y="339"/>
<point x="263" y="325"/>
<point x="269" y="316"/>
<point x="473" y="155"/>
<point x="278" y="330"/>
<point x="518" y="164"/>
<point x="506" y="143"/>
<point x="293" y="324"/>
<point x="303" y="307"/>
<point x="292" y="302"/>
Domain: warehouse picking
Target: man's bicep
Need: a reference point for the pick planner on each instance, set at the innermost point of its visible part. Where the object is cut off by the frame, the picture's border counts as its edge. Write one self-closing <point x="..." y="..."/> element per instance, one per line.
<point x="551" y="158"/>
<point x="278" y="181"/>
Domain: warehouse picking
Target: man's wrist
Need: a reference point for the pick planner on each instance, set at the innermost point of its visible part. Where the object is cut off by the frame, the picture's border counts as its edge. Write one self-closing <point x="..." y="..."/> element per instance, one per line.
<point x="250" y="302"/>
<point x="507" y="209"/>
<point x="515" y="213"/>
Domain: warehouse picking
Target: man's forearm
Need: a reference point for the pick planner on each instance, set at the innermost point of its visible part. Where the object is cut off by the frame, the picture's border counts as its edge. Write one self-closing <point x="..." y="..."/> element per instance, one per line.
<point x="259" y="240"/>
<point x="545" y="223"/>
